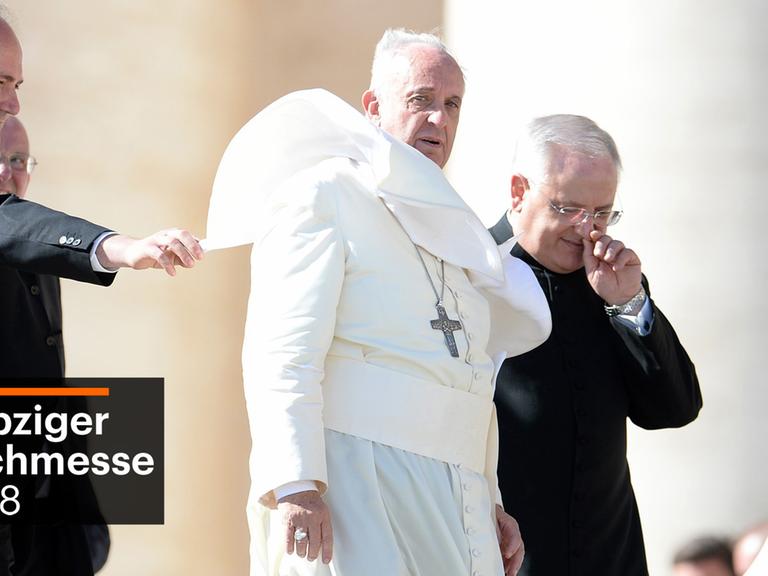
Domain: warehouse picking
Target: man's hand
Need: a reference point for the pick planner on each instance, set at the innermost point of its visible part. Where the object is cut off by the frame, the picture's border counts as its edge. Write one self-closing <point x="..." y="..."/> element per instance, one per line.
<point x="510" y="542"/>
<point x="307" y="511"/>
<point x="612" y="269"/>
<point x="165" y="249"/>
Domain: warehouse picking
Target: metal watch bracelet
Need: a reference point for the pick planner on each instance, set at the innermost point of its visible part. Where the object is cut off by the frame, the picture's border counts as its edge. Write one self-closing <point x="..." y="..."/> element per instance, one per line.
<point x="631" y="308"/>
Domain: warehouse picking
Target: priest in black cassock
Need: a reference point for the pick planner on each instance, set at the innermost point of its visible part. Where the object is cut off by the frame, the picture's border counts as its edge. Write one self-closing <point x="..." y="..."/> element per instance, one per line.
<point x="612" y="355"/>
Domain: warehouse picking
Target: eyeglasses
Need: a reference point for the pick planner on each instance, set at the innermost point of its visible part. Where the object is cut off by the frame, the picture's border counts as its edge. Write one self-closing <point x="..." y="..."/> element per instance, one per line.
<point x="19" y="162"/>
<point x="576" y="215"/>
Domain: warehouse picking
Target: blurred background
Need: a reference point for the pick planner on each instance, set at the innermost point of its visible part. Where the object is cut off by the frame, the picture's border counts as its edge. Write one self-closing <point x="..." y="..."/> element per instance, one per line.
<point x="129" y="105"/>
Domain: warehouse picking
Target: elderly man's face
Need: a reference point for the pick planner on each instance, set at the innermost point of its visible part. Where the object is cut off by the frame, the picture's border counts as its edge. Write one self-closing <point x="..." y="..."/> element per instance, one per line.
<point x="10" y="72"/>
<point x="14" y="148"/>
<point x="575" y="180"/>
<point x="420" y="102"/>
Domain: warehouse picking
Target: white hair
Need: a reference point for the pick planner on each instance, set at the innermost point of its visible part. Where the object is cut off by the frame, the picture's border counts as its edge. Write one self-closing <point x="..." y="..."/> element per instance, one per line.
<point x="391" y="46"/>
<point x="543" y="136"/>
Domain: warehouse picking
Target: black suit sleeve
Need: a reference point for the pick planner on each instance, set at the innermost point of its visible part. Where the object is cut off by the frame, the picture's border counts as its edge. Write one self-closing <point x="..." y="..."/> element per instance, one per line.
<point x="36" y="239"/>
<point x="662" y="385"/>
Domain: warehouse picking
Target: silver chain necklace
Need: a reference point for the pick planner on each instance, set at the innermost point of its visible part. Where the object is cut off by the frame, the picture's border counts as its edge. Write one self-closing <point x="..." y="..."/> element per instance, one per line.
<point x="442" y="322"/>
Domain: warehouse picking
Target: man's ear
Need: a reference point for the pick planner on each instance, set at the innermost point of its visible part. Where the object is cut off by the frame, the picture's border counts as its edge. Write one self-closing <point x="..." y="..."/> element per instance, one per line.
<point x="371" y="106"/>
<point x="518" y="188"/>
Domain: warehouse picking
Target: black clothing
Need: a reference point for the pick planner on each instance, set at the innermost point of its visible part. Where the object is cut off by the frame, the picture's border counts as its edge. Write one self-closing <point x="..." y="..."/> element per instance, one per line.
<point x="36" y="240"/>
<point x="562" y="411"/>
<point x="31" y="343"/>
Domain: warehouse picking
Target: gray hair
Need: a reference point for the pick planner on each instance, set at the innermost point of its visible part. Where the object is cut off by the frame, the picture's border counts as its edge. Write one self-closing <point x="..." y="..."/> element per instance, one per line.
<point x="391" y="45"/>
<point x="543" y="136"/>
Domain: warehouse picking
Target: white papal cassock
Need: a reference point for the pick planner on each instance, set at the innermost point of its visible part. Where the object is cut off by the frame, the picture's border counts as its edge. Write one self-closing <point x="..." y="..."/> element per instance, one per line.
<point x="346" y="382"/>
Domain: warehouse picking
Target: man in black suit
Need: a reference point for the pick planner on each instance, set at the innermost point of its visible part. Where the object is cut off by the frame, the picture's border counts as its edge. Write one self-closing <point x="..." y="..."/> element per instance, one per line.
<point x="612" y="355"/>
<point x="37" y="239"/>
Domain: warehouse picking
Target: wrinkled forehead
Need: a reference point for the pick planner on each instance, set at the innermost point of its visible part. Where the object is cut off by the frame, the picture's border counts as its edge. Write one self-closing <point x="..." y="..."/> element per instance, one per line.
<point x="568" y="164"/>
<point x="422" y="66"/>
<point x="13" y="138"/>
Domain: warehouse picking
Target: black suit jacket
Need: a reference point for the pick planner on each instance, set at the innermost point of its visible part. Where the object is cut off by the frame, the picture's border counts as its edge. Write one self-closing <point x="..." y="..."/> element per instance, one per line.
<point x="562" y="411"/>
<point x="36" y="239"/>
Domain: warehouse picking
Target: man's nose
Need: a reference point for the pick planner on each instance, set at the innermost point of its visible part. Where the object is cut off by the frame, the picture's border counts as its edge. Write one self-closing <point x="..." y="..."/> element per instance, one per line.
<point x="5" y="170"/>
<point x="438" y="117"/>
<point x="586" y="225"/>
<point x="10" y="102"/>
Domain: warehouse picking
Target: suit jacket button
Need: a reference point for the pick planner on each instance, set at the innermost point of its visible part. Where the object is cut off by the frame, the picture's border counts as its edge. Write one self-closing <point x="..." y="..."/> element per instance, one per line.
<point x="34" y="289"/>
<point x="50" y="341"/>
<point x="63" y="240"/>
<point x="70" y="240"/>
<point x="76" y="242"/>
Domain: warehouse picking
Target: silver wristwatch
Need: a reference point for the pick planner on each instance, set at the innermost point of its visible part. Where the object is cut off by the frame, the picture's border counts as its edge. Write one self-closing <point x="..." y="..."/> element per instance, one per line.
<point x="631" y="308"/>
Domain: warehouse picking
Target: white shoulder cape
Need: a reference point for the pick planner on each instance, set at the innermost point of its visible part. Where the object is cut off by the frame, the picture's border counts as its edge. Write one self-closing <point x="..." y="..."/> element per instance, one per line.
<point x="307" y="127"/>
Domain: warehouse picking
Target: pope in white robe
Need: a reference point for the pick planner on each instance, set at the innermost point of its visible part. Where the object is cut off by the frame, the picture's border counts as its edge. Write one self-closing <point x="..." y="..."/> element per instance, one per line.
<point x="348" y="384"/>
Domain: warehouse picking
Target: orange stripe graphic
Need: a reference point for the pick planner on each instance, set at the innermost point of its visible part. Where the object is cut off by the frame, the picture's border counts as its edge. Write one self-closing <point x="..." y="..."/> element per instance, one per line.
<point x="54" y="391"/>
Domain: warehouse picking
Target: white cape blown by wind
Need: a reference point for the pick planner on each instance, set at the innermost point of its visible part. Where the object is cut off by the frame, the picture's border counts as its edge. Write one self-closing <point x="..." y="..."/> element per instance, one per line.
<point x="307" y="127"/>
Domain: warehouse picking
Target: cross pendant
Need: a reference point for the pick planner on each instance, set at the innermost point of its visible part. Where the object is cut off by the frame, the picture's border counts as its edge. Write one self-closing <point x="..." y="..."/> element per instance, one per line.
<point x="448" y="327"/>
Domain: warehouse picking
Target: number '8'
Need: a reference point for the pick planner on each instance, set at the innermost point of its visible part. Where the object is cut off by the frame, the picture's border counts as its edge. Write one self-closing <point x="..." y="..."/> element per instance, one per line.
<point x="9" y="505"/>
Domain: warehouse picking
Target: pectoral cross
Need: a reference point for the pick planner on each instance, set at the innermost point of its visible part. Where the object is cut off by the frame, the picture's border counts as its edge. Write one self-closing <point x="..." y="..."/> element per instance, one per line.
<point x="448" y="327"/>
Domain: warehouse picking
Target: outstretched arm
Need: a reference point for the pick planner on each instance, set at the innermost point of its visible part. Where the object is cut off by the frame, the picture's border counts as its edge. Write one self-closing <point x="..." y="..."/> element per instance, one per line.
<point x="36" y="239"/>
<point x="165" y="249"/>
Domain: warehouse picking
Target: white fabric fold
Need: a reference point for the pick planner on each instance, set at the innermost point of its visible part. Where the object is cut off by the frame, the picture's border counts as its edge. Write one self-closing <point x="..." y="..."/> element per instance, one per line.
<point x="295" y="132"/>
<point x="304" y="128"/>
